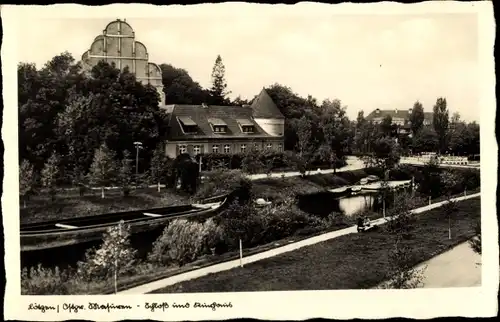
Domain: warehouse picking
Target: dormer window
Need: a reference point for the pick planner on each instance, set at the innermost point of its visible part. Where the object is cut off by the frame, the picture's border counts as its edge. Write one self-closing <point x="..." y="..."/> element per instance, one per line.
<point x="187" y="124"/>
<point x="218" y="125"/>
<point x="246" y="125"/>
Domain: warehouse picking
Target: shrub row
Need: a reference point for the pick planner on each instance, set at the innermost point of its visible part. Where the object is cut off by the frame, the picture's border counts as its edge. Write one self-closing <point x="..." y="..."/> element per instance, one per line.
<point x="271" y="161"/>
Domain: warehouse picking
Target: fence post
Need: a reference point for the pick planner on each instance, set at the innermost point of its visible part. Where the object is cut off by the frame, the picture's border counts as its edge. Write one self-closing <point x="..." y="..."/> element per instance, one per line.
<point x="241" y="254"/>
<point x="430" y="200"/>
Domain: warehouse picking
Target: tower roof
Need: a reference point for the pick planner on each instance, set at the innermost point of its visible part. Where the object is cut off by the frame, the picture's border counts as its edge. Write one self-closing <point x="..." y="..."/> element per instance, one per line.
<point x="264" y="107"/>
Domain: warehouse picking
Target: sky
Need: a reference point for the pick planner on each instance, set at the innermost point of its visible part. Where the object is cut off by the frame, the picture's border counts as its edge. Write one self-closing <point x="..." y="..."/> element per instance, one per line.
<point x="368" y="61"/>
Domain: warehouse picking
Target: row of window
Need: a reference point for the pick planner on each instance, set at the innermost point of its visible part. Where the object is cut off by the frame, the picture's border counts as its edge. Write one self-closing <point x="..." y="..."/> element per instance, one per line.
<point x="227" y="148"/>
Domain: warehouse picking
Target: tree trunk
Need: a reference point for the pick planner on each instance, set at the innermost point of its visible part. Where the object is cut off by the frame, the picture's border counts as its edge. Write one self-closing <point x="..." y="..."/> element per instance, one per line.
<point x="449" y="227"/>
<point x="102" y="192"/>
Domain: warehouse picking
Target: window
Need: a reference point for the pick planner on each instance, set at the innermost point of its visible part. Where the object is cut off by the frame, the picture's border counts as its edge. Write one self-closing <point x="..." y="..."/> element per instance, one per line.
<point x="269" y="146"/>
<point x="219" y="129"/>
<point x="243" y="147"/>
<point x="226" y="148"/>
<point x="215" y="148"/>
<point x="247" y="129"/>
<point x="280" y="147"/>
<point x="196" y="149"/>
<point x="182" y="149"/>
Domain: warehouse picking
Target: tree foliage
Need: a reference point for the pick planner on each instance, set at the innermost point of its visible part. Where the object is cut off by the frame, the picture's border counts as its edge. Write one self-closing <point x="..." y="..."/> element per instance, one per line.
<point x="159" y="165"/>
<point x="402" y="273"/>
<point x="114" y="256"/>
<point x="69" y="111"/>
<point x="416" y="118"/>
<point x="219" y="91"/>
<point x="27" y="180"/>
<point x="50" y="175"/>
<point x="441" y="122"/>
<point x="125" y="174"/>
<point x="180" y="88"/>
<point x="103" y="168"/>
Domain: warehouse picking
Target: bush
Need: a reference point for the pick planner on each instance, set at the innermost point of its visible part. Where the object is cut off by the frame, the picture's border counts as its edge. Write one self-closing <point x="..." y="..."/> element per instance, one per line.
<point x="281" y="221"/>
<point x="212" y="237"/>
<point x="44" y="281"/>
<point x="180" y="243"/>
<point x="219" y="182"/>
<point x="115" y="256"/>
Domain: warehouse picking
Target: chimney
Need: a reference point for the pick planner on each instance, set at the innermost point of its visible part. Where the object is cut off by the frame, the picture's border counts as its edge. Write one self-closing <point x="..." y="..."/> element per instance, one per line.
<point x="377" y="111"/>
<point x="410" y="110"/>
<point x="396" y="110"/>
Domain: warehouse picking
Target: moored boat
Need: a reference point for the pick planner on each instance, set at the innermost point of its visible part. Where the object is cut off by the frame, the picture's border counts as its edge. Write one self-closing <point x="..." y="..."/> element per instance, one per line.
<point x="84" y="229"/>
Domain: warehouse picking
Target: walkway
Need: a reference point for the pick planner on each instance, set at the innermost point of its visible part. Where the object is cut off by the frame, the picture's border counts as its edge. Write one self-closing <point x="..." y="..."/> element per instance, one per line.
<point x="458" y="267"/>
<point x="149" y="287"/>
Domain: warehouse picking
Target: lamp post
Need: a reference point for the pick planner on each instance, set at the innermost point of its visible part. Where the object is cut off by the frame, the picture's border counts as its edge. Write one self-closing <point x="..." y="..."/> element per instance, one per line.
<point x="138" y="146"/>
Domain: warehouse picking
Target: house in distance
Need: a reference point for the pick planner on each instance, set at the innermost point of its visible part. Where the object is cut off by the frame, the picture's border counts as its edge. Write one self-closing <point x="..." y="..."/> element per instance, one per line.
<point x="401" y="118"/>
<point x="203" y="129"/>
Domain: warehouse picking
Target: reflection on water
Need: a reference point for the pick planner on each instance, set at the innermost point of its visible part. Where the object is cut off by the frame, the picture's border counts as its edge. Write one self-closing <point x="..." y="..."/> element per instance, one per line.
<point x="353" y="204"/>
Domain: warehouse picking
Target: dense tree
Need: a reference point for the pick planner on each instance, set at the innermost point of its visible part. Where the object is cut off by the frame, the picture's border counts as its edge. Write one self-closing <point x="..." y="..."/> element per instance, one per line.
<point x="238" y="101"/>
<point x="219" y="91"/>
<point x="103" y="168"/>
<point x="336" y="130"/>
<point x="386" y="154"/>
<point x="441" y="122"/>
<point x="67" y="111"/>
<point x="251" y="161"/>
<point x="114" y="257"/>
<point x="402" y="272"/>
<point x="42" y="95"/>
<point x="426" y="140"/>
<point x="159" y="165"/>
<point x="50" y="175"/>
<point x="416" y="118"/>
<point x="125" y="174"/>
<point x="386" y="126"/>
<point x="180" y="88"/>
<point x="27" y="180"/>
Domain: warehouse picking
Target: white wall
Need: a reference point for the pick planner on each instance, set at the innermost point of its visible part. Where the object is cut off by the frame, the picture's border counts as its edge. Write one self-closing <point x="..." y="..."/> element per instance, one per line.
<point x="274" y="127"/>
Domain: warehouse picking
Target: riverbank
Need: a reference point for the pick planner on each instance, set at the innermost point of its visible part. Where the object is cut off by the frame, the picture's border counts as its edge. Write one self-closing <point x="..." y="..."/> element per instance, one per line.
<point x="69" y="204"/>
<point x="145" y="272"/>
<point x="353" y="261"/>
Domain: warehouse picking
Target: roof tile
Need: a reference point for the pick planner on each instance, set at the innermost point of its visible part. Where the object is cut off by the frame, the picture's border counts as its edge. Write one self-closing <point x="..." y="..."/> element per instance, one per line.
<point x="201" y="115"/>
<point x="264" y="107"/>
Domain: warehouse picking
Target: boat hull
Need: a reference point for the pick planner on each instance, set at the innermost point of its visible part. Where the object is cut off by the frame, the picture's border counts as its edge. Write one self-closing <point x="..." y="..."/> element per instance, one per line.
<point x="52" y="238"/>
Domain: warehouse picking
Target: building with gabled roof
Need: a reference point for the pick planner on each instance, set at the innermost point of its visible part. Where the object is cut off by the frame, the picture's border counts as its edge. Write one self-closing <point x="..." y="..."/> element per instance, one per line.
<point x="117" y="45"/>
<point x="399" y="117"/>
<point x="201" y="129"/>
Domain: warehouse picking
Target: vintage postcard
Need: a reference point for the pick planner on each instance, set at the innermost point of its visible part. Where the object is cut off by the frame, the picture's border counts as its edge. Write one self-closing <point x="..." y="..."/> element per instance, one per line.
<point x="241" y="160"/>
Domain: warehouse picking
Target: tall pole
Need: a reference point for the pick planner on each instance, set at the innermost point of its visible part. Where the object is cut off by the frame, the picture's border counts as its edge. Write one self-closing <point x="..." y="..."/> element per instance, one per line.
<point x="241" y="254"/>
<point x="136" y="160"/>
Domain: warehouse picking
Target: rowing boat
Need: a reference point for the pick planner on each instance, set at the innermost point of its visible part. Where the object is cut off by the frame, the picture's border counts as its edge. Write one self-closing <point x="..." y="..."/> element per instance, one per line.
<point x="84" y="229"/>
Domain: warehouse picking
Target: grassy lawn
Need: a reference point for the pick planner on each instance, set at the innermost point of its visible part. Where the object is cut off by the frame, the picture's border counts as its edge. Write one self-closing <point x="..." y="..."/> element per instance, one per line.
<point x="70" y="204"/>
<point x="354" y="261"/>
